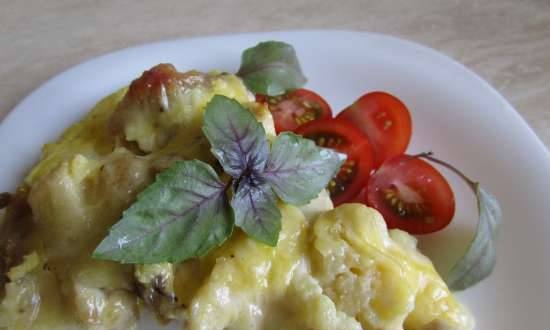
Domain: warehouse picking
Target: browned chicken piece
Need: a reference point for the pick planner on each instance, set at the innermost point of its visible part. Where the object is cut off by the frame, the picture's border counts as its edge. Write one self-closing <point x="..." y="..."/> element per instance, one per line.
<point x="16" y="224"/>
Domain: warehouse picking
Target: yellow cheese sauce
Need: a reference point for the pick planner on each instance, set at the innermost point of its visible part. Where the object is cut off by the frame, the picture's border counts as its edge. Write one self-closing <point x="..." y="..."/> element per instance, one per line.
<point x="333" y="269"/>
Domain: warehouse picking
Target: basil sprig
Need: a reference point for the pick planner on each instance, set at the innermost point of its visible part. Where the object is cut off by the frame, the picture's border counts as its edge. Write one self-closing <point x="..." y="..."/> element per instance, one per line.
<point x="183" y="214"/>
<point x="271" y="68"/>
<point x="479" y="260"/>
<point x="186" y="211"/>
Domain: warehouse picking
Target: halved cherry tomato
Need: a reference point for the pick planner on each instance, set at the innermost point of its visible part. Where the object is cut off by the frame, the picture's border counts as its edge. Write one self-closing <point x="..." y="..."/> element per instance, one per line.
<point x="295" y="108"/>
<point x="360" y="197"/>
<point x="411" y="195"/>
<point x="385" y="120"/>
<point x="346" y="138"/>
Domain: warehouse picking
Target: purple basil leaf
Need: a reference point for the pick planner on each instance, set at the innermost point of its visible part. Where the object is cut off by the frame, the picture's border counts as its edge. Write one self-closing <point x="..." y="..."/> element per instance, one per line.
<point x="183" y="214"/>
<point x="256" y="211"/>
<point x="298" y="170"/>
<point x="238" y="140"/>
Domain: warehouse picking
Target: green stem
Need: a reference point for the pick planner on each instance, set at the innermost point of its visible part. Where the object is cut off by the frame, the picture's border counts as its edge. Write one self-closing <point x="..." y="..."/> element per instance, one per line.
<point x="429" y="156"/>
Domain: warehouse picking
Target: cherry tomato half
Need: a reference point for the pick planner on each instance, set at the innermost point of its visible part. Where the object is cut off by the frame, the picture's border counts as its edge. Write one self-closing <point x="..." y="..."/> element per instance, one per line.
<point x="385" y="120"/>
<point x="346" y="138"/>
<point x="295" y="108"/>
<point x="411" y="195"/>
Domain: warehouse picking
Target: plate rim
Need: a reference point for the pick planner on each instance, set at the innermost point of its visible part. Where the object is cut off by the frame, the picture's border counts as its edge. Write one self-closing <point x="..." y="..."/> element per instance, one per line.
<point x="532" y="141"/>
<point x="434" y="52"/>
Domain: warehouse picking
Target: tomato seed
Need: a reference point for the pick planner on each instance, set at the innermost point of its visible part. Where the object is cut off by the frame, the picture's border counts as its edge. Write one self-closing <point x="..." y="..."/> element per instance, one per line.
<point x="344" y="177"/>
<point x="402" y="208"/>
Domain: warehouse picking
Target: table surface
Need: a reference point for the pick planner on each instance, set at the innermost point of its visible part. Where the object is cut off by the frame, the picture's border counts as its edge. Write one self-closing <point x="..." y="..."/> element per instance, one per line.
<point x="507" y="42"/>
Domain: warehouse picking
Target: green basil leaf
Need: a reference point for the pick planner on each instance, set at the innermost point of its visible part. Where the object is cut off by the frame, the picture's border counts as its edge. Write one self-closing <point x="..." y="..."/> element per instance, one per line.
<point x="238" y="140"/>
<point x="271" y="68"/>
<point x="298" y="170"/>
<point x="479" y="260"/>
<point x="183" y="214"/>
<point x="256" y="211"/>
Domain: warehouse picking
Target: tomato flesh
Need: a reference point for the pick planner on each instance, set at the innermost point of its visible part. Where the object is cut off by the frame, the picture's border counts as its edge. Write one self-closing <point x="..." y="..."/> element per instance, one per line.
<point x="295" y="108"/>
<point x="385" y="120"/>
<point x="411" y="195"/>
<point x="345" y="138"/>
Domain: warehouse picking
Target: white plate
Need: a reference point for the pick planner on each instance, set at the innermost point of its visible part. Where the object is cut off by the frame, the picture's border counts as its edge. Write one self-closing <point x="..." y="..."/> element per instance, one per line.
<point x="455" y="114"/>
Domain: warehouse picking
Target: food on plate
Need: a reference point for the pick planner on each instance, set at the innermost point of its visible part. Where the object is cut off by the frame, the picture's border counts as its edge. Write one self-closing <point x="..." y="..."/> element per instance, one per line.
<point x="177" y="193"/>
<point x="420" y="206"/>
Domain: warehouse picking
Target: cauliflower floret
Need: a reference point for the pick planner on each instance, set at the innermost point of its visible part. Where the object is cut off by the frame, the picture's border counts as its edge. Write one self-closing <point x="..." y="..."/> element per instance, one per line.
<point x="58" y="206"/>
<point x="78" y="201"/>
<point x="21" y="304"/>
<point x="246" y="277"/>
<point x="20" y="307"/>
<point x="163" y="103"/>
<point x="231" y="295"/>
<point x="103" y="295"/>
<point x="382" y="283"/>
<point x="33" y="298"/>
<point x="73" y="208"/>
<point x="88" y="137"/>
<point x="305" y="306"/>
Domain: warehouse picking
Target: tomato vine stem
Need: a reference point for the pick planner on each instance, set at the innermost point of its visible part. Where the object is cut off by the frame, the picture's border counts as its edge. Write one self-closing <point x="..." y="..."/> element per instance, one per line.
<point x="429" y="156"/>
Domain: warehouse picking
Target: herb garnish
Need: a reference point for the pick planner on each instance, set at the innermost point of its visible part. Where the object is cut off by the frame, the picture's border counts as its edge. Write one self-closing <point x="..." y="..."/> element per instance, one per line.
<point x="271" y="68"/>
<point x="181" y="215"/>
<point x="479" y="260"/>
<point x="185" y="212"/>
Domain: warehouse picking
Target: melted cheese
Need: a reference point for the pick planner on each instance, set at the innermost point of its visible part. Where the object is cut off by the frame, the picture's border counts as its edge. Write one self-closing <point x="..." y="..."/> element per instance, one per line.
<point x="332" y="268"/>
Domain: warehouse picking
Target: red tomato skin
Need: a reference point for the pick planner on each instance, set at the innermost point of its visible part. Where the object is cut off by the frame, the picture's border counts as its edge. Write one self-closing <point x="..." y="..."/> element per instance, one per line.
<point x="291" y="105"/>
<point x="425" y="180"/>
<point x="385" y="120"/>
<point x="355" y="145"/>
<point x="360" y="197"/>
